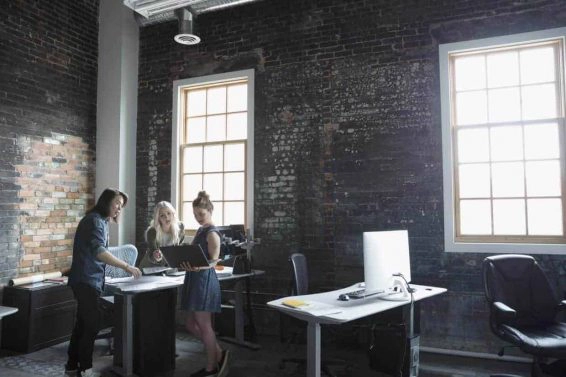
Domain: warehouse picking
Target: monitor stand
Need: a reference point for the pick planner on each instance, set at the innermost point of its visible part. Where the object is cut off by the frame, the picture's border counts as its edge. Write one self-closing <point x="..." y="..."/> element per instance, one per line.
<point x="397" y="292"/>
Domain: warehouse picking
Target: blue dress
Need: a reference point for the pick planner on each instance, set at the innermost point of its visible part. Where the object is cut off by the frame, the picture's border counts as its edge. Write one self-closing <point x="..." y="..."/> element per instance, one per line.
<point x="201" y="289"/>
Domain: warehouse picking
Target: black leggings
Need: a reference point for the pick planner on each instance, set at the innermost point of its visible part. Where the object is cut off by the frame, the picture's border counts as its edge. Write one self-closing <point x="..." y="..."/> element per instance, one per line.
<point x="86" y="327"/>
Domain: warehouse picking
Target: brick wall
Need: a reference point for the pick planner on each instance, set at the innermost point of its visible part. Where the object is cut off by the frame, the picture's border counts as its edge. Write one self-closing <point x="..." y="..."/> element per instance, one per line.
<point x="48" y="72"/>
<point x="348" y="136"/>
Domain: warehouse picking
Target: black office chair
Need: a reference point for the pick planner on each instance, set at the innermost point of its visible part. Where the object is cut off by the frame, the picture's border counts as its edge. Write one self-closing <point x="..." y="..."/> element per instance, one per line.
<point x="523" y="310"/>
<point x="300" y="286"/>
<point x="128" y="253"/>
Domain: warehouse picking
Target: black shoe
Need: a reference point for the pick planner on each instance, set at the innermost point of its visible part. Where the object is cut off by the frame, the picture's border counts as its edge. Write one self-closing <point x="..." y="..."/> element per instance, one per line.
<point x="71" y="369"/>
<point x="223" y="364"/>
<point x="205" y="373"/>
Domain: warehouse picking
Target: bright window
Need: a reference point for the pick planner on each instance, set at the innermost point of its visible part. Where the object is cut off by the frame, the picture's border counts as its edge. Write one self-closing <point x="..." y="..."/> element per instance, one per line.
<point x="503" y="142"/>
<point x="213" y="140"/>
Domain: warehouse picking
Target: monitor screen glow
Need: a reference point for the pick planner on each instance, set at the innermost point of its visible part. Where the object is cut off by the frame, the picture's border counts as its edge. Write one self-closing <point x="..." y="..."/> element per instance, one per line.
<point x="385" y="253"/>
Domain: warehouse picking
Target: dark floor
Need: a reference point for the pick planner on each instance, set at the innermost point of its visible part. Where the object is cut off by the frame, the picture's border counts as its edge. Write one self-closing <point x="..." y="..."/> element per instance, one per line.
<point x="249" y="363"/>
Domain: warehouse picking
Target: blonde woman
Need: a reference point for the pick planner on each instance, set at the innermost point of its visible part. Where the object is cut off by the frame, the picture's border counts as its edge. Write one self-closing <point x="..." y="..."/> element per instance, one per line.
<point x="165" y="229"/>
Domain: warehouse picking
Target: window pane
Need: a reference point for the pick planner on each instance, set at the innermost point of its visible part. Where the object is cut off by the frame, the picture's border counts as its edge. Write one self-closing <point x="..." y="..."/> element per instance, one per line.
<point x="506" y="143"/>
<point x="192" y="160"/>
<point x="195" y="130"/>
<point x="234" y="157"/>
<point x="545" y="217"/>
<point x="539" y="102"/>
<point x="473" y="145"/>
<point x="216" y="101"/>
<point x="474" y="181"/>
<point x="471" y="108"/>
<point x="218" y="214"/>
<point x="504" y="105"/>
<point x="469" y="72"/>
<point x="188" y="217"/>
<point x="541" y="141"/>
<point x="192" y="184"/>
<point x="502" y="69"/>
<point x="237" y="127"/>
<point x="235" y="186"/>
<point x="543" y="178"/>
<point x="537" y="65"/>
<point x="196" y="102"/>
<point x="238" y="97"/>
<point x="509" y="217"/>
<point x="508" y="179"/>
<point x="213" y="158"/>
<point x="234" y="213"/>
<point x="213" y="185"/>
<point x="216" y="128"/>
<point x="475" y="217"/>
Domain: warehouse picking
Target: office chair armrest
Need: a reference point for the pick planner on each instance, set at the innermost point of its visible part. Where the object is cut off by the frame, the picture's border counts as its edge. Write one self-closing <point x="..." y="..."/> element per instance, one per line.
<point x="562" y="305"/>
<point x="503" y="310"/>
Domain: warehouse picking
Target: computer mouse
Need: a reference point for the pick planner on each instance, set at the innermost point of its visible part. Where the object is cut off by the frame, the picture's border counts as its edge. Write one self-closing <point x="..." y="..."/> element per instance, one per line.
<point x="343" y="297"/>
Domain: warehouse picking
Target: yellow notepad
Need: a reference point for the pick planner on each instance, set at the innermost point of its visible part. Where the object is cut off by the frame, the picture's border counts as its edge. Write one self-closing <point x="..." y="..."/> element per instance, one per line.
<point x="294" y="303"/>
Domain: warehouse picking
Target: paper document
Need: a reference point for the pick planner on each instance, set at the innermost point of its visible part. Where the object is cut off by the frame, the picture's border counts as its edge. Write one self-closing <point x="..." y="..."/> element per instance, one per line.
<point x="312" y="307"/>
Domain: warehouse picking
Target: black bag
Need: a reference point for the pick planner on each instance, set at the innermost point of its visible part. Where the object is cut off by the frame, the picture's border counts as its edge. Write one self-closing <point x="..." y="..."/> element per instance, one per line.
<point x="388" y="347"/>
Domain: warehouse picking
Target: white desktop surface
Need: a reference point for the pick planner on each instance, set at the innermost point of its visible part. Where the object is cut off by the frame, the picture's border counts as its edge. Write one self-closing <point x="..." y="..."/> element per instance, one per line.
<point x="129" y="287"/>
<point x="336" y="312"/>
<point x="345" y="311"/>
<point x="7" y="310"/>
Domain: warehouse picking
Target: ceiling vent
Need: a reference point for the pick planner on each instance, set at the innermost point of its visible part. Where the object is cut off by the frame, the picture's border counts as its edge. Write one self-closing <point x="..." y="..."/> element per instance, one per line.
<point x="185" y="35"/>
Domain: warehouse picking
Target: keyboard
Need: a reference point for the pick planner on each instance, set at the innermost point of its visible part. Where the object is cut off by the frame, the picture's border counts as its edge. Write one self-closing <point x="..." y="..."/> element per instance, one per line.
<point x="154" y="270"/>
<point x="361" y="293"/>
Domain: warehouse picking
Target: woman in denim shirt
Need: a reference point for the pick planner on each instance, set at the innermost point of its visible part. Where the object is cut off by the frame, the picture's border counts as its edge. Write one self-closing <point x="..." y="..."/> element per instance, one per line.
<point x="90" y="256"/>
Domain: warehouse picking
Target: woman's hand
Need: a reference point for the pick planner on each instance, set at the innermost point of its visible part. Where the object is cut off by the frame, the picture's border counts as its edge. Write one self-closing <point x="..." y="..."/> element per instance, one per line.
<point x="157" y="256"/>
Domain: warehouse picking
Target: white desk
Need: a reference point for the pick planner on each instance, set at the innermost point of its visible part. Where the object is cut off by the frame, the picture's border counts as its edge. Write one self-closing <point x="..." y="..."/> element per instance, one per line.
<point x="334" y="311"/>
<point x="7" y="310"/>
<point x="129" y="287"/>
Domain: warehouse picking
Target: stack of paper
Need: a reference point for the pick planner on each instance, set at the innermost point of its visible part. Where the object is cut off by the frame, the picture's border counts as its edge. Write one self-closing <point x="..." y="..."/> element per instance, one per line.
<point x="312" y="307"/>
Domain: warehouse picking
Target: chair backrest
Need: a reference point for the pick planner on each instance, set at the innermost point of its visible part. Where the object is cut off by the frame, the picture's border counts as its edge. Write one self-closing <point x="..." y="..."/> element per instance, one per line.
<point x="519" y="282"/>
<point x="127" y="253"/>
<point x="300" y="274"/>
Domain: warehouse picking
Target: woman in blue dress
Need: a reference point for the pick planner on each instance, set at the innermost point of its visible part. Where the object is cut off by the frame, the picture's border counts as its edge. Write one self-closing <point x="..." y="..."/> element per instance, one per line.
<point x="201" y="290"/>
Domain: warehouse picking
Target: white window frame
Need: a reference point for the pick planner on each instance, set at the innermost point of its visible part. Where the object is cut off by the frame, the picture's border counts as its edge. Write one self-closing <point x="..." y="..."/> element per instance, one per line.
<point x="178" y="87"/>
<point x="450" y="243"/>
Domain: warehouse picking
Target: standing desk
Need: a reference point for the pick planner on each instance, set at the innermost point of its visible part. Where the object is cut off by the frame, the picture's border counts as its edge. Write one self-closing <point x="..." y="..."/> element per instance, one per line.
<point x="128" y="287"/>
<point x="325" y="308"/>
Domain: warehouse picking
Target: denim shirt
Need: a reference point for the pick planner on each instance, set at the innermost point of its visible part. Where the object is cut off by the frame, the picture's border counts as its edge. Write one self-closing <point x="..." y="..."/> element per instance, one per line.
<point x="91" y="239"/>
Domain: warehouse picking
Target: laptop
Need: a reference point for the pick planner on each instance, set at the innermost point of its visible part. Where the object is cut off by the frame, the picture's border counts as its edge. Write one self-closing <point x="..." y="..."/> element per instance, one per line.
<point x="193" y="254"/>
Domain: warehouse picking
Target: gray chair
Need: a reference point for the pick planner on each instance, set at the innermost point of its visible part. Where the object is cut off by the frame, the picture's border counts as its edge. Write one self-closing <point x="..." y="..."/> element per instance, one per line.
<point x="129" y="254"/>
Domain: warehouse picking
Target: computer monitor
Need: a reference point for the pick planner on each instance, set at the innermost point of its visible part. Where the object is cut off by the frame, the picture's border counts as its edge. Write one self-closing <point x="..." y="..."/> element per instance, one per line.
<point x="385" y="254"/>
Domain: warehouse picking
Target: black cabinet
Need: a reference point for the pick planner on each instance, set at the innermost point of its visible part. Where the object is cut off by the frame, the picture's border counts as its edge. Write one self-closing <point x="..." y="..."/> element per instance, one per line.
<point x="46" y="315"/>
<point x="154" y="328"/>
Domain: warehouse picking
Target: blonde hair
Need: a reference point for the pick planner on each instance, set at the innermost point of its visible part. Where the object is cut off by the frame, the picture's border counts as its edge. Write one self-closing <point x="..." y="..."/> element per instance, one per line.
<point x="203" y="201"/>
<point x="175" y="227"/>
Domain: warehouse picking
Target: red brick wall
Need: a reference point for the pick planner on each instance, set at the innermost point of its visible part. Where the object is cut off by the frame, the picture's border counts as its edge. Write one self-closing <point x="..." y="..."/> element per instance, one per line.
<point x="56" y="180"/>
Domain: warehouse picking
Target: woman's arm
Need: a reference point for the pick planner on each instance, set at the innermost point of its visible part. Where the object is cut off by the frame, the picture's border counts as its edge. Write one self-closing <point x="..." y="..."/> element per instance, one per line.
<point x="110" y="259"/>
<point x="151" y="238"/>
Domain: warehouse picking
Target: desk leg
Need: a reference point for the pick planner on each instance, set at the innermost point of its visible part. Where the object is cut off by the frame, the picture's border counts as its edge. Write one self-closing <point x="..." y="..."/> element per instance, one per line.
<point x="127" y="369"/>
<point x="313" y="349"/>
<point x="239" y="319"/>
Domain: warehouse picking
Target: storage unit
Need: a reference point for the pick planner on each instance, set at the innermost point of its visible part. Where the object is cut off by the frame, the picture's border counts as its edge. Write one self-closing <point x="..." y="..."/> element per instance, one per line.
<point x="46" y="316"/>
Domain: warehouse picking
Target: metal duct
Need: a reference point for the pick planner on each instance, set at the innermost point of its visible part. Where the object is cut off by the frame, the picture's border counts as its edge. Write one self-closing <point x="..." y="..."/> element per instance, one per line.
<point x="185" y="35"/>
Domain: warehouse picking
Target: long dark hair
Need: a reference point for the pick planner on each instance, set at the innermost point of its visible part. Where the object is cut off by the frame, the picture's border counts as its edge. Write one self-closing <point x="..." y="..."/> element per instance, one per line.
<point x="105" y="201"/>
